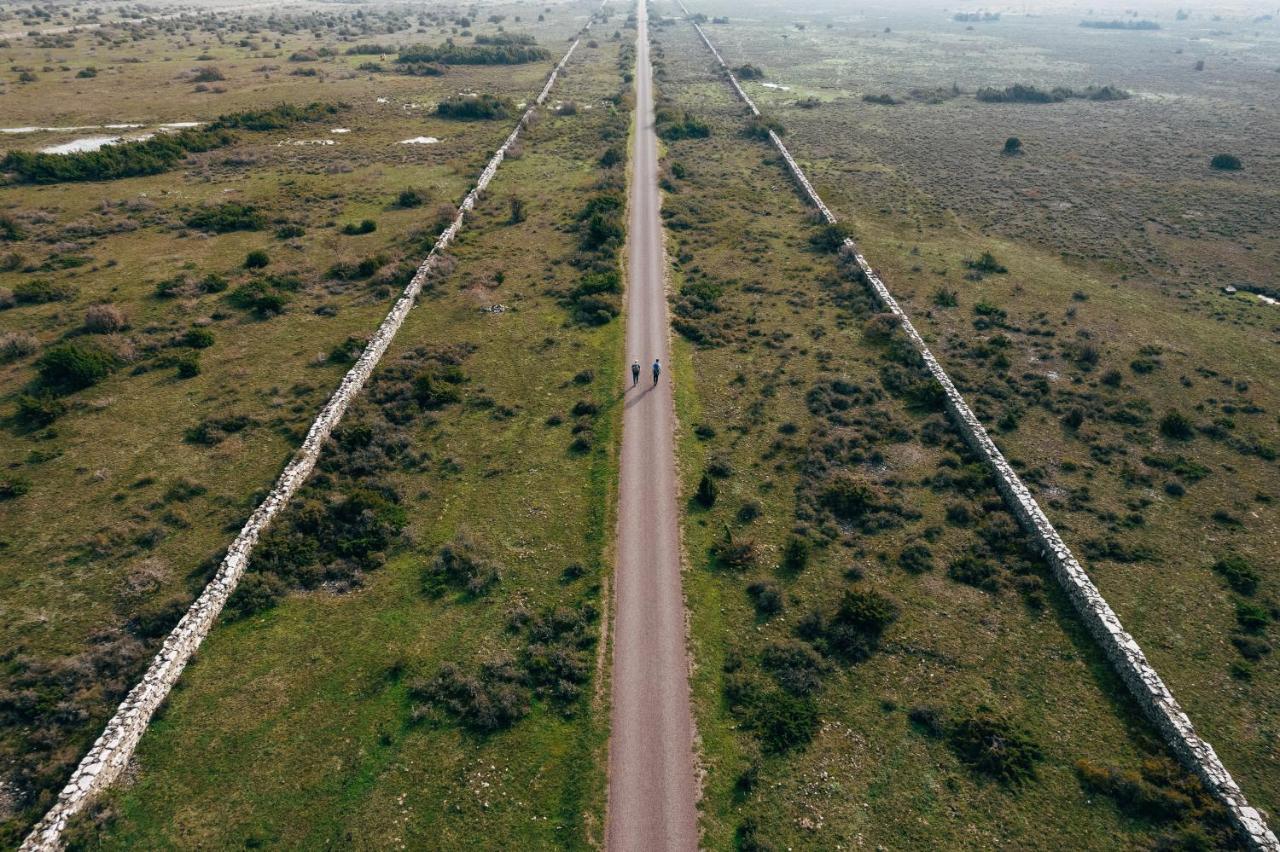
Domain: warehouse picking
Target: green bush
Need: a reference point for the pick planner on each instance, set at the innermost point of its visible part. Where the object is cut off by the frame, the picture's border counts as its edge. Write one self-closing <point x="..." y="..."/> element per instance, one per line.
<point x="766" y="597"/>
<point x="73" y="366"/>
<point x="795" y="555"/>
<point x="475" y="107"/>
<point x="37" y="410"/>
<point x="707" y="492"/>
<point x="259" y="297"/>
<point x="188" y="366"/>
<point x="41" y="291"/>
<point x="674" y="125"/>
<point x="435" y="389"/>
<point x="995" y="748"/>
<point x="916" y="558"/>
<point x="459" y="565"/>
<point x="256" y="259"/>
<point x="197" y="338"/>
<point x="974" y="571"/>
<point x="796" y="666"/>
<point x="759" y="126"/>
<point x="783" y="722"/>
<point x="1238" y="573"/>
<point x="228" y="217"/>
<point x="256" y="593"/>
<point x="1175" y="425"/>
<point x="366" y="226"/>
<point x="478" y="54"/>
<point x="410" y="198"/>
<point x="13" y="486"/>
<point x="1226" y="163"/>
<point x="830" y="237"/>
<point x="853" y="630"/>
<point x="111" y="162"/>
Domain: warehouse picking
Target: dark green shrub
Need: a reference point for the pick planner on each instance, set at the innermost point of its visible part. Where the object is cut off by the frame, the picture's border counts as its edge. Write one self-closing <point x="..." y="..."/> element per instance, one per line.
<point x="945" y="298"/>
<point x="974" y="571"/>
<point x="986" y="263"/>
<point x="493" y="699"/>
<point x="474" y="107"/>
<point x="1226" y="163"/>
<point x="1238" y="573"/>
<point x="795" y="555"/>
<point x="759" y="126"/>
<point x="259" y="297"/>
<point x="197" y="338"/>
<point x="995" y="748"/>
<point x="256" y="259"/>
<point x="477" y="54"/>
<point x="36" y="410"/>
<point x="848" y="497"/>
<point x="1013" y="145"/>
<point x="73" y="366"/>
<point x="111" y="162"/>
<point x="707" y="491"/>
<point x="916" y="558"/>
<point x="674" y="125"/>
<point x="41" y="291"/>
<point x="1175" y="425"/>
<point x="737" y="553"/>
<point x="830" y="237"/>
<point x="366" y="226"/>
<point x="289" y="232"/>
<point x="13" y="486"/>
<point x="459" y="565"/>
<point x="10" y="230"/>
<point x="410" y="198"/>
<point x="1251" y="618"/>
<point x="228" y="217"/>
<point x="749" y="72"/>
<point x="766" y="597"/>
<point x="783" y="722"/>
<point x="852" y="631"/>
<point x="256" y="593"/>
<point x="796" y="666"/>
<point x="188" y="366"/>
<point x="435" y="389"/>
<point x="156" y="618"/>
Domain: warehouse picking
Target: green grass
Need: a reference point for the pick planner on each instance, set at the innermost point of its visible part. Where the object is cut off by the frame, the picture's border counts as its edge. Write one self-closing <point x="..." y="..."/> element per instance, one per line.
<point x="869" y="776"/>
<point x="309" y="742"/>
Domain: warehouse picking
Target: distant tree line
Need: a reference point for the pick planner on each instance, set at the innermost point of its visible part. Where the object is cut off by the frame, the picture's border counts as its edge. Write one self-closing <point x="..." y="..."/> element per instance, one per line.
<point x="473" y="107"/>
<point x="969" y="17"/>
<point x="157" y="154"/>
<point x="1120" y="25"/>
<point x="1020" y="93"/>
<point x="481" y="54"/>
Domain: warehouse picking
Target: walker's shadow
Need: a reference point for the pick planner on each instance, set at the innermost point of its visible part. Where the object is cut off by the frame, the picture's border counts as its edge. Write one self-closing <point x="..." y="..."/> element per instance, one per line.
<point x="637" y="394"/>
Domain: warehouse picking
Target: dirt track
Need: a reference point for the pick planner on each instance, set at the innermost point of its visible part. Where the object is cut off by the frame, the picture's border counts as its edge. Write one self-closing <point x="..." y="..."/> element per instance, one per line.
<point x="652" y="789"/>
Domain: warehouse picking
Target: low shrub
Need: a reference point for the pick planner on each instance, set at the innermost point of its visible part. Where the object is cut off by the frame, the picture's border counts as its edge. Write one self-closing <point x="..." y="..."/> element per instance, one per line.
<point x="707" y="491"/>
<point x="458" y="565"/>
<point x="796" y="666"/>
<point x="995" y="748"/>
<point x="759" y="126"/>
<point x="916" y="559"/>
<point x="1177" y="426"/>
<point x="256" y="593"/>
<point x="13" y="486"/>
<point x="41" y="291"/>
<point x="17" y="344"/>
<point x="1226" y="163"/>
<point x="39" y="409"/>
<point x="260" y="297"/>
<point x="795" y="556"/>
<point x="74" y="366"/>
<point x="197" y="338"/>
<point x="1239" y="574"/>
<point x="256" y="259"/>
<point x="104" y="319"/>
<point x="228" y="217"/>
<point x="366" y="226"/>
<point x="766" y="597"/>
<point x="475" y="107"/>
<point x="853" y="629"/>
<point x="411" y="198"/>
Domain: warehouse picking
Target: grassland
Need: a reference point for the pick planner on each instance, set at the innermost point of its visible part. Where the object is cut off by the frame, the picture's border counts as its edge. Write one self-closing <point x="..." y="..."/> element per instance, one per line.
<point x="132" y="493"/>
<point x="786" y="379"/>
<point x="1117" y="238"/>
<point x="308" y="723"/>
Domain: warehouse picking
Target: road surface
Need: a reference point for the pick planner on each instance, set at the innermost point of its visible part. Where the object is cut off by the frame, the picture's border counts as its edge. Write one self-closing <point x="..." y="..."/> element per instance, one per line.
<point x="652" y="787"/>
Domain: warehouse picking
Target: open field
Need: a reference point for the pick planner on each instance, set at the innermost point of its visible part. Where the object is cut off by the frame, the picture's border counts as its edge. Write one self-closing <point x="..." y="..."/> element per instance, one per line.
<point x="134" y="491"/>
<point x="206" y="210"/>
<point x="787" y="372"/>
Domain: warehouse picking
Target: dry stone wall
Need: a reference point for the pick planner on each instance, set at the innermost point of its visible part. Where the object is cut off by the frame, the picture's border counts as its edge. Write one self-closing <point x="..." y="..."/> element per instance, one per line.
<point x="113" y="749"/>
<point x="1121" y="649"/>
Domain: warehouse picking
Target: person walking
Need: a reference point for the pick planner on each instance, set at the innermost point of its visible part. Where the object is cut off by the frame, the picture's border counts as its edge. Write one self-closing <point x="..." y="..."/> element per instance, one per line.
<point x="657" y="368"/>
<point x="635" y="373"/>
